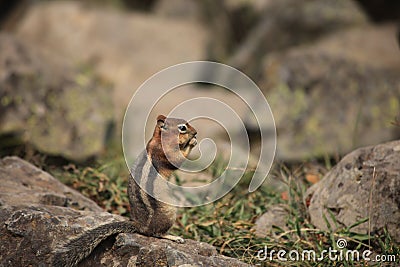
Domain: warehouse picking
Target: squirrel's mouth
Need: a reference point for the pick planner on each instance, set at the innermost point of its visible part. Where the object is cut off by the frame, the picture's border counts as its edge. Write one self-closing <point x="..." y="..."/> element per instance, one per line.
<point x="190" y="143"/>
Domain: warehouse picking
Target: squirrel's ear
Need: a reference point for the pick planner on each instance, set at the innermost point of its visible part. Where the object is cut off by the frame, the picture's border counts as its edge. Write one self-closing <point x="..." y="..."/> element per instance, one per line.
<point x="161" y="120"/>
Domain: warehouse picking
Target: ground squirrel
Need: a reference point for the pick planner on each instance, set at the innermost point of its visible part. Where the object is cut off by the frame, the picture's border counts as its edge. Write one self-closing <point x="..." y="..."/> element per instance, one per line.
<point x="170" y="144"/>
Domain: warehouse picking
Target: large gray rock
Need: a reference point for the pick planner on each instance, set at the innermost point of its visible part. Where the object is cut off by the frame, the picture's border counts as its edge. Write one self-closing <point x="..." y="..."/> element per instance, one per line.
<point x="38" y="214"/>
<point x="287" y="23"/>
<point x="364" y="184"/>
<point x="47" y="103"/>
<point x="328" y="100"/>
<point x="124" y="48"/>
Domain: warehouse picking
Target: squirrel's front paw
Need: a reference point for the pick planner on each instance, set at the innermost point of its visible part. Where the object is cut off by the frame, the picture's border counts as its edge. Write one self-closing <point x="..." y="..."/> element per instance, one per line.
<point x="193" y="142"/>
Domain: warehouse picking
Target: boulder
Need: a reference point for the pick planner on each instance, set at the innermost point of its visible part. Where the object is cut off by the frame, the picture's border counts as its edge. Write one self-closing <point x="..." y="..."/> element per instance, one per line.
<point x="287" y="23"/>
<point x="44" y="101"/>
<point x="276" y="216"/>
<point x="38" y="214"/>
<point x="364" y="184"/>
<point x="325" y="98"/>
<point x="125" y="48"/>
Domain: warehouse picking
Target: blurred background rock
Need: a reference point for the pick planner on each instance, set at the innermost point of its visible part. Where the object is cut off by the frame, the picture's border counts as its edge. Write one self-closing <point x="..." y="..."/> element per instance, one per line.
<point x="329" y="69"/>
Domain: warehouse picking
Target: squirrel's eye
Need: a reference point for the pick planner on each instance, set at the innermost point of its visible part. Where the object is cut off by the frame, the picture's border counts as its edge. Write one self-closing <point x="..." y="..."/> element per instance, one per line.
<point x="182" y="128"/>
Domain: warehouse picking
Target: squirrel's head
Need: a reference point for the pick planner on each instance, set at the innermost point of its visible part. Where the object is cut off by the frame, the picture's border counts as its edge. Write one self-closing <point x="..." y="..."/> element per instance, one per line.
<point x="174" y="135"/>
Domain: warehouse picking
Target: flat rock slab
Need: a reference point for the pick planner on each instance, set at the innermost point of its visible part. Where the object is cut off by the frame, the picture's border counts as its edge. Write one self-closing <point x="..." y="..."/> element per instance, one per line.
<point x="364" y="184"/>
<point x="21" y="183"/>
<point x="30" y="233"/>
<point x="144" y="251"/>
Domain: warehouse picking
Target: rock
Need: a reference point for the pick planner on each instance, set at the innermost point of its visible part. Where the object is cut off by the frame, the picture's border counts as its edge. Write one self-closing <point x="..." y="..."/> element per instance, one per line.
<point x="287" y="23"/>
<point x="31" y="228"/>
<point x="178" y="9"/>
<point x="370" y="53"/>
<point x="151" y="251"/>
<point x="275" y="216"/>
<point x="124" y="48"/>
<point x="29" y="233"/>
<point x="32" y="186"/>
<point x="325" y="99"/>
<point x="304" y="20"/>
<point x="364" y="184"/>
<point x="59" y="110"/>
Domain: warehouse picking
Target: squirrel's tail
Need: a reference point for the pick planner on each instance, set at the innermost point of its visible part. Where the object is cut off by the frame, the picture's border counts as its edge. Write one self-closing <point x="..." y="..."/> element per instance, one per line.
<point x="75" y="250"/>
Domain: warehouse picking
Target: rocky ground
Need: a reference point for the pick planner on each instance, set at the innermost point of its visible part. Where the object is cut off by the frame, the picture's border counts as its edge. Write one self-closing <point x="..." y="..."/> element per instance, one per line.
<point x="38" y="214"/>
